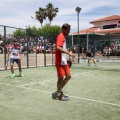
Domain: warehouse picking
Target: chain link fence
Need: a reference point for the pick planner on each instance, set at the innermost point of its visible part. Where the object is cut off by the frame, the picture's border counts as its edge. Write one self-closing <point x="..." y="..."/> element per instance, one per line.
<point x="40" y="51"/>
<point x="107" y="45"/>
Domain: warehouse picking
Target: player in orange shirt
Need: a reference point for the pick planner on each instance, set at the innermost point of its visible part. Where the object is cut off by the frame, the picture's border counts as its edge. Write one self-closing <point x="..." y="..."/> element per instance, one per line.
<point x="63" y="71"/>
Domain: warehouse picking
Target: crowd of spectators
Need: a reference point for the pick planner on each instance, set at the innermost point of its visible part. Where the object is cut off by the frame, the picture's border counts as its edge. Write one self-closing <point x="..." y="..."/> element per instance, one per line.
<point x="112" y="49"/>
<point x="39" y="46"/>
<point x="33" y="45"/>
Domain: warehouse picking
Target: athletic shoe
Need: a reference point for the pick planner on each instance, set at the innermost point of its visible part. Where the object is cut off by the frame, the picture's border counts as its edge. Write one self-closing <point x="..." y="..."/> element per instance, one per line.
<point x="61" y="97"/>
<point x="21" y="75"/>
<point x="54" y="95"/>
<point x="63" y="94"/>
<point x="95" y="65"/>
<point x="88" y="65"/>
<point x="12" y="76"/>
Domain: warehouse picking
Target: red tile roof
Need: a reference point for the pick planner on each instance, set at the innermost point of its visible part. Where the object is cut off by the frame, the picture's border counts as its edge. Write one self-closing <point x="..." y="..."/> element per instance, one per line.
<point x="106" y="31"/>
<point x="90" y="30"/>
<point x="109" y="18"/>
<point x="98" y="31"/>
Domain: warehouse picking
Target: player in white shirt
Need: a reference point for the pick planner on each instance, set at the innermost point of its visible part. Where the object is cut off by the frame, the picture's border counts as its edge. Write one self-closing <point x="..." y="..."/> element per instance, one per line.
<point x="14" y="56"/>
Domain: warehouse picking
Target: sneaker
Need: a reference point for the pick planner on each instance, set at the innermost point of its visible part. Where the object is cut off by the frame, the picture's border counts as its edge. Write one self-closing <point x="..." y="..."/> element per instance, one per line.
<point x="61" y="97"/>
<point x="12" y="76"/>
<point x="63" y="94"/>
<point x="54" y="95"/>
<point x="95" y="65"/>
<point x="88" y="65"/>
<point x="21" y="75"/>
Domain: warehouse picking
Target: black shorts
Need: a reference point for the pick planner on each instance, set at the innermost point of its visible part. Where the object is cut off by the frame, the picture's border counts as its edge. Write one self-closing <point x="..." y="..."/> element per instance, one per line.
<point x="12" y="60"/>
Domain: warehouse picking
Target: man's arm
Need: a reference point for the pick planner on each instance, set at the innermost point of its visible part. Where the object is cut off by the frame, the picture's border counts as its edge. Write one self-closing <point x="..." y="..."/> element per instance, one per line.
<point x="65" y="51"/>
<point x="8" y="55"/>
<point x="20" y="56"/>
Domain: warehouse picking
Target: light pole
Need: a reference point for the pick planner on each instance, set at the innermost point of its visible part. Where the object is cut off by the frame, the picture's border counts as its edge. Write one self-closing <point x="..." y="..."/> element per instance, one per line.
<point x="34" y="20"/>
<point x="87" y="40"/>
<point x="78" y="9"/>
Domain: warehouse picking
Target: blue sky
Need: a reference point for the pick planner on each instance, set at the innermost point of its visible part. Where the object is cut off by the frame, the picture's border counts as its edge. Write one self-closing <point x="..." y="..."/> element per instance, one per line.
<point x="17" y="13"/>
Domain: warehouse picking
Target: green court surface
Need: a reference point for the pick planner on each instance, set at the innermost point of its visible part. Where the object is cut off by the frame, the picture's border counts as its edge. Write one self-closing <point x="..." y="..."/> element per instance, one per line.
<point x="94" y="94"/>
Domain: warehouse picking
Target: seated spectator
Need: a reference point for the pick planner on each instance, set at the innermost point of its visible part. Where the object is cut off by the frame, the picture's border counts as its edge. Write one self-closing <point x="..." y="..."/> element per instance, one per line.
<point x="48" y="49"/>
<point x="24" y="50"/>
<point x="1" y="50"/>
<point x="73" y="49"/>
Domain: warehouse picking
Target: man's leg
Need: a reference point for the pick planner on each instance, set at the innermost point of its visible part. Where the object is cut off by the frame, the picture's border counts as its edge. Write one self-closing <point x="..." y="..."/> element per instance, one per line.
<point x="59" y="84"/>
<point x="19" y="66"/>
<point x="88" y="61"/>
<point x="67" y="78"/>
<point x="11" y="67"/>
<point x="94" y="62"/>
<point x="58" y="94"/>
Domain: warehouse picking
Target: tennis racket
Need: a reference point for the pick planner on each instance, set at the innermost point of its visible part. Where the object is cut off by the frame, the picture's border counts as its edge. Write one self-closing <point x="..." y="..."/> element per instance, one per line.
<point x="69" y="62"/>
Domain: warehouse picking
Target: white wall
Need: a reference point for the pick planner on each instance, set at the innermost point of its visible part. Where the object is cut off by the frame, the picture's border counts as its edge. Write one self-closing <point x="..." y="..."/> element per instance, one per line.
<point x="101" y="24"/>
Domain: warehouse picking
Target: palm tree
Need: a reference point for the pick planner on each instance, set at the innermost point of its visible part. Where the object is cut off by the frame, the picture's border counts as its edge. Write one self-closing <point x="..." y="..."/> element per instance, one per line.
<point x="51" y="12"/>
<point x="41" y="15"/>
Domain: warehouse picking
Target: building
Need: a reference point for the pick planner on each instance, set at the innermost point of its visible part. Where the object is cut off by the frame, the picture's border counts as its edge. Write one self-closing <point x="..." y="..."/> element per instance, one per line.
<point x="103" y="32"/>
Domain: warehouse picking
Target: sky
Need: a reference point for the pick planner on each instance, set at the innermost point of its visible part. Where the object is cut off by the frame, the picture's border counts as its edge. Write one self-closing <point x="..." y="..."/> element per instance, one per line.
<point x="17" y="13"/>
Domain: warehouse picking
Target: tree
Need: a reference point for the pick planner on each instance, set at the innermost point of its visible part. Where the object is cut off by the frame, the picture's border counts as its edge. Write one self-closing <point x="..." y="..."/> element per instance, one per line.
<point x="41" y="15"/>
<point x="51" y="29"/>
<point x="47" y="30"/>
<point x="19" y="32"/>
<point x="51" y="12"/>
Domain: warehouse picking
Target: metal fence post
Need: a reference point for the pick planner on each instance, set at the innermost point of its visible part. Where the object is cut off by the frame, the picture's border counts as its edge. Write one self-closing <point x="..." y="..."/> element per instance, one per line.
<point x="44" y="52"/>
<point x="5" y="47"/>
<point x="108" y="43"/>
<point x="36" y="49"/>
<point x="52" y="48"/>
<point x="27" y="54"/>
<point x="87" y="40"/>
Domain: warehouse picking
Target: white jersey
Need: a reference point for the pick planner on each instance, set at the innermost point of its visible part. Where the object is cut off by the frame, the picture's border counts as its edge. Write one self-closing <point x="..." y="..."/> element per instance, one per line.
<point x="15" y="51"/>
<point x="63" y="55"/>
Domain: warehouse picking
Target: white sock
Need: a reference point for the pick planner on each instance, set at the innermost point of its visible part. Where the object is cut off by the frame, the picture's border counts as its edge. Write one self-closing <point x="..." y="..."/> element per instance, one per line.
<point x="58" y="94"/>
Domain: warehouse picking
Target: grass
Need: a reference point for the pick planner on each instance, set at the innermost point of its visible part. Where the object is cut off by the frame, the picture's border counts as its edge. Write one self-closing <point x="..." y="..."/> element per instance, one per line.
<point x="94" y="94"/>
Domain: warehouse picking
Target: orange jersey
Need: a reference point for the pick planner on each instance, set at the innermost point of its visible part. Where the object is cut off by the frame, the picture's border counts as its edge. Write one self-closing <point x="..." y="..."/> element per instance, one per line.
<point x="60" y="58"/>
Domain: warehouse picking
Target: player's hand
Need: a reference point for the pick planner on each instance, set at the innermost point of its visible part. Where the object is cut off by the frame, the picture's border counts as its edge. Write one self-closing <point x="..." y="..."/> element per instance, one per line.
<point x="7" y="60"/>
<point x="71" y="54"/>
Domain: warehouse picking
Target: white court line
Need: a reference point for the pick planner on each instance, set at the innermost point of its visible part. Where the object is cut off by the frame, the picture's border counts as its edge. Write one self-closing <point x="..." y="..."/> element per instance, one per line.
<point x="80" y="73"/>
<point x="25" y="88"/>
<point x="97" y="101"/>
<point x="83" y="73"/>
<point x="44" y="81"/>
<point x="32" y="83"/>
<point x="113" y="104"/>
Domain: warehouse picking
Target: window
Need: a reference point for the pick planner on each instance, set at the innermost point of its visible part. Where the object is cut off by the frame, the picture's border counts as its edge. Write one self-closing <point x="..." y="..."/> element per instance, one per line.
<point x="110" y="26"/>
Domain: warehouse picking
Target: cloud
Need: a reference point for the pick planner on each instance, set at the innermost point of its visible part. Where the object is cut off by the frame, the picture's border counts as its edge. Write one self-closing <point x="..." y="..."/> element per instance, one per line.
<point x="17" y="13"/>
